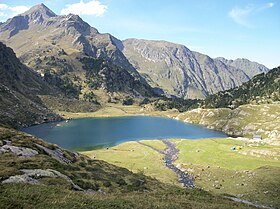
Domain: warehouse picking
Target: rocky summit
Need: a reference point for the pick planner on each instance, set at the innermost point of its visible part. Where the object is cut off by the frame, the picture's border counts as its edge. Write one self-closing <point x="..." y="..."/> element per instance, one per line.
<point x="183" y="73"/>
<point x="65" y="50"/>
<point x="73" y="56"/>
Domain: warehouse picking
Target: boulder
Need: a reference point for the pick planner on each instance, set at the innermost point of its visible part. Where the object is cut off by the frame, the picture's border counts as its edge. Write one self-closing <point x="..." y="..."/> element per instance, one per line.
<point x="32" y="176"/>
<point x="19" y="151"/>
<point x="56" y="154"/>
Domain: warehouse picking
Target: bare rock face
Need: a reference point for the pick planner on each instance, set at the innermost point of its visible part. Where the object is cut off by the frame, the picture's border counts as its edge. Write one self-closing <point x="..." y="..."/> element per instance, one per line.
<point x="32" y="176"/>
<point x="19" y="151"/>
<point x="56" y="154"/>
<point x="21" y="179"/>
<point x="181" y="72"/>
<point x="39" y="10"/>
<point x="250" y="68"/>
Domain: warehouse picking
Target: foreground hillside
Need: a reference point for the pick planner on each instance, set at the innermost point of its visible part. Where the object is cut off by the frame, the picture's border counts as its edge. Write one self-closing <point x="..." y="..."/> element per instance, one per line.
<point x="40" y="175"/>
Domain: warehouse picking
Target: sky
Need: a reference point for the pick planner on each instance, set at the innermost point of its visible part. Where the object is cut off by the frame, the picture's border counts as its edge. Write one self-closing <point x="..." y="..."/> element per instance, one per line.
<point x="219" y="28"/>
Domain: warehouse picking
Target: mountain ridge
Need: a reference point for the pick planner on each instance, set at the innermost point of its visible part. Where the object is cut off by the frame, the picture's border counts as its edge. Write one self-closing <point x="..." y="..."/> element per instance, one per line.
<point x="157" y="67"/>
<point x="60" y="45"/>
<point x="184" y="73"/>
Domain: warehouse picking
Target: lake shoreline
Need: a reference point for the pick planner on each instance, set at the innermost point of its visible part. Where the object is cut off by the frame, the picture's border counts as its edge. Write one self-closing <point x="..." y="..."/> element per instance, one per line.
<point x="93" y="132"/>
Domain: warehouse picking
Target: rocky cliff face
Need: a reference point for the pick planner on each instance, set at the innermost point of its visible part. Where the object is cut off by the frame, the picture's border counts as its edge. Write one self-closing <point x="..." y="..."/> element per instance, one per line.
<point x="181" y="72"/>
<point x="54" y="46"/>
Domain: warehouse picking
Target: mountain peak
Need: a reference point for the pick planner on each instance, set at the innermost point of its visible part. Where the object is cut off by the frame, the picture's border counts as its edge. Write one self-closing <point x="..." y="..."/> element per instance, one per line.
<point x="39" y="9"/>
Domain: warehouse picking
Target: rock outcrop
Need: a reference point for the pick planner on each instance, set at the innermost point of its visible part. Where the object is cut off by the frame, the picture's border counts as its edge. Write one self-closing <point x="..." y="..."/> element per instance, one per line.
<point x="33" y="176"/>
<point x="246" y="120"/>
<point x="56" y="154"/>
<point x="19" y="151"/>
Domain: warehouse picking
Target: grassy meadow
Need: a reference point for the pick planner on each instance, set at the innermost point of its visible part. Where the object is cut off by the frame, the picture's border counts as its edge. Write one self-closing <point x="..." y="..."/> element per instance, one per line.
<point x="252" y="173"/>
<point x="137" y="158"/>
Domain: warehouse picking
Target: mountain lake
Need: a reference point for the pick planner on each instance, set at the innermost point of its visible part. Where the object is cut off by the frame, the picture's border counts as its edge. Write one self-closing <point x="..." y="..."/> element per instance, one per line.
<point x="94" y="133"/>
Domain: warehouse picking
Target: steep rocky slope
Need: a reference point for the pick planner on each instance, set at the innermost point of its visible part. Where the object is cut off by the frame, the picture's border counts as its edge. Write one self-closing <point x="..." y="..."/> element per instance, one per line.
<point x="181" y="72"/>
<point x="19" y="105"/>
<point x="26" y="99"/>
<point x="250" y="68"/>
<point x="65" y="48"/>
<point x="263" y="88"/>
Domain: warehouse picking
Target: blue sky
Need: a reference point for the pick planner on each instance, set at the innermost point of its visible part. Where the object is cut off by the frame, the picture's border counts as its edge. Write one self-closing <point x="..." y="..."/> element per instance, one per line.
<point x="231" y="29"/>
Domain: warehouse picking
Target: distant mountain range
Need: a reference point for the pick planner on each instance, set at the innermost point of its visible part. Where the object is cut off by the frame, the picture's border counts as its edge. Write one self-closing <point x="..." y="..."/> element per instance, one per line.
<point x="183" y="73"/>
<point x="96" y="67"/>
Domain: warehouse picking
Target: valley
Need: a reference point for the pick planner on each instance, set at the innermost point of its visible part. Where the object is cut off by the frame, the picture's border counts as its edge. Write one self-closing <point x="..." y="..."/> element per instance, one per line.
<point x="133" y="123"/>
<point x="212" y="163"/>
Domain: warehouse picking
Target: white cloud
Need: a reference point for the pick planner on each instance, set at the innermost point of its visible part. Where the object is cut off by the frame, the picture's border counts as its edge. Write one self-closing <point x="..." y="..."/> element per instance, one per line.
<point x="2" y="14"/>
<point x="3" y="6"/>
<point x="93" y="7"/>
<point x="8" y="11"/>
<point x="241" y="15"/>
<point x="18" y="9"/>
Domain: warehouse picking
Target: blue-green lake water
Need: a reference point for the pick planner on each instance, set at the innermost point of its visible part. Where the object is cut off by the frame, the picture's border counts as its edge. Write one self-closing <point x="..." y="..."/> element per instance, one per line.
<point x="89" y="133"/>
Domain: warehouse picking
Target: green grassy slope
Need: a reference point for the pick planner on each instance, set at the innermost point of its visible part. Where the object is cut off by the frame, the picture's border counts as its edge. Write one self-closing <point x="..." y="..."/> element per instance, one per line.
<point x="86" y="173"/>
<point x="245" y="120"/>
<point x="28" y="196"/>
<point x="252" y="173"/>
<point x="105" y="185"/>
<point x="137" y="158"/>
<point x="218" y="152"/>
